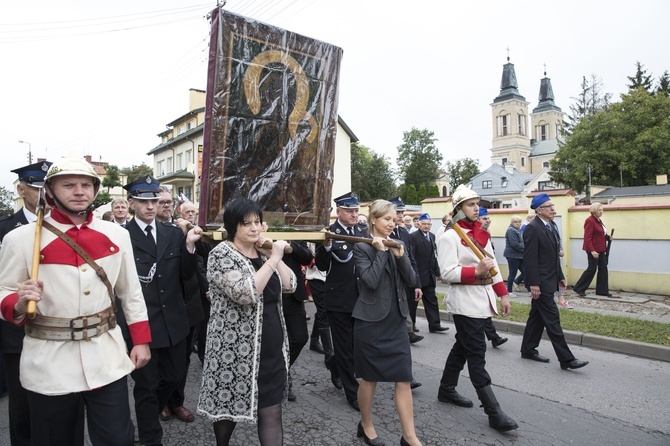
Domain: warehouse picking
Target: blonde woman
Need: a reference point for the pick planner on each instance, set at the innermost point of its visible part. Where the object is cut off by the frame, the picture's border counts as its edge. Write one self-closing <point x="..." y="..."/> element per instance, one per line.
<point x="595" y="245"/>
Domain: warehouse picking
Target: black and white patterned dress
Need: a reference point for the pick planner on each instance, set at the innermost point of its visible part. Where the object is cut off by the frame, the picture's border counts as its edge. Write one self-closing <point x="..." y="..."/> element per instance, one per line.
<point x="230" y="376"/>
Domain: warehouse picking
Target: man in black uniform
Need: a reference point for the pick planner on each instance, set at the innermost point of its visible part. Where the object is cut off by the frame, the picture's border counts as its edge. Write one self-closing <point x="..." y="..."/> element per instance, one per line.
<point x="336" y="258"/>
<point x="31" y="180"/>
<point x="164" y="258"/>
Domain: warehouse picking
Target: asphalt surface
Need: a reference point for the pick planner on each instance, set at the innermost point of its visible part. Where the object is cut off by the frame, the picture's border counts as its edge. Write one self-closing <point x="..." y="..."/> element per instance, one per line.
<point x="618" y="399"/>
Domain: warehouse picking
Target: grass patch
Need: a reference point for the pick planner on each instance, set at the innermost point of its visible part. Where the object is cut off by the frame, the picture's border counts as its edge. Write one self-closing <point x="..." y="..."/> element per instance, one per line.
<point x="598" y="324"/>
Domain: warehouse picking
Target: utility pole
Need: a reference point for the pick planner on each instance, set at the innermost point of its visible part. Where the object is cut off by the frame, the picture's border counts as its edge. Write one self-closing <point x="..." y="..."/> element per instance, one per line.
<point x="620" y="174"/>
<point x="30" y="151"/>
<point x="588" y="194"/>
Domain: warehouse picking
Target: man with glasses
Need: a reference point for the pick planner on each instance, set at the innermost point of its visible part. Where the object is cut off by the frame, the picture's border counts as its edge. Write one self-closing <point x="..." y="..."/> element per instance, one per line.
<point x="165" y="212"/>
<point x="544" y="277"/>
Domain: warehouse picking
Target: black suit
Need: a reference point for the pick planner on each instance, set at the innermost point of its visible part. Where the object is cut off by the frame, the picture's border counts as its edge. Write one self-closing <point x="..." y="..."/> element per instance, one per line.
<point x="341" y="293"/>
<point x="168" y="320"/>
<point x="293" y="304"/>
<point x="11" y="344"/>
<point x="543" y="269"/>
<point x="425" y="255"/>
<point x="403" y="235"/>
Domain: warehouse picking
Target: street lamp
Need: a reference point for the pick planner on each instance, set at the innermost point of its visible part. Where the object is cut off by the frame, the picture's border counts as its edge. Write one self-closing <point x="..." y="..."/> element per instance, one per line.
<point x="30" y="151"/>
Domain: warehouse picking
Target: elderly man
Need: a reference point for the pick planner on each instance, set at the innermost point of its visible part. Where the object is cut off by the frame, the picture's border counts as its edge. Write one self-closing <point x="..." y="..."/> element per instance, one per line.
<point x="544" y="277"/>
<point x="424" y="251"/>
<point x="120" y="211"/>
<point x="164" y="258"/>
<point x="73" y="351"/>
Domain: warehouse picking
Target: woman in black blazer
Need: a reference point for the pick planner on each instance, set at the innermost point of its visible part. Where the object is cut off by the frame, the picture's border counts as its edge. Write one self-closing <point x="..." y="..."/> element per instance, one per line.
<point x="381" y="346"/>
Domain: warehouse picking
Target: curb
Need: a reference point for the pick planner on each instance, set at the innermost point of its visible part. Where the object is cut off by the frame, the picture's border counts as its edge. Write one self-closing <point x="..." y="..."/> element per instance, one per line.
<point x="624" y="346"/>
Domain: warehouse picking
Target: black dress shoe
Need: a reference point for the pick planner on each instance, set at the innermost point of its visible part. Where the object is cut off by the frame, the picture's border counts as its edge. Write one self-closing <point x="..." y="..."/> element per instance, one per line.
<point x="438" y="329"/>
<point x="574" y="364"/>
<point x="414" y="338"/>
<point x="498" y="341"/>
<point x="580" y="293"/>
<point x="370" y="441"/>
<point x="534" y="357"/>
<point x="414" y="384"/>
<point x="354" y="405"/>
<point x="605" y="295"/>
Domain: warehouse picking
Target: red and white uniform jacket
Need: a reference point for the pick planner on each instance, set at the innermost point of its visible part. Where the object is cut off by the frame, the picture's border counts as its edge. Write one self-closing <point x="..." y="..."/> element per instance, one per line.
<point x="72" y="289"/>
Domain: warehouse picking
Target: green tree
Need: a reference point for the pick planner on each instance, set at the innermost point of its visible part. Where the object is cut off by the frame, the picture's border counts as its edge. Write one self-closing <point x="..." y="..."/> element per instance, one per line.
<point x="640" y="79"/>
<point x="418" y="157"/>
<point x="433" y="191"/>
<point x="422" y="194"/>
<point x="663" y="86"/>
<point x="136" y="172"/>
<point x="411" y="197"/>
<point x="102" y="198"/>
<point x="461" y="171"/>
<point x="628" y="145"/>
<point x="371" y="174"/>
<point x="6" y="202"/>
<point x="112" y="177"/>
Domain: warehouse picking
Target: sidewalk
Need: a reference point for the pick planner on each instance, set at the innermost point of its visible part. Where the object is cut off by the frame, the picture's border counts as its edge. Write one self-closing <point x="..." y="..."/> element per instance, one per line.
<point x="628" y="347"/>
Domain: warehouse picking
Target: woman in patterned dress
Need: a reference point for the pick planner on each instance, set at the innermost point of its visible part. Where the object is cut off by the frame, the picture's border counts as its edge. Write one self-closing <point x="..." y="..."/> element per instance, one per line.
<point x="246" y="358"/>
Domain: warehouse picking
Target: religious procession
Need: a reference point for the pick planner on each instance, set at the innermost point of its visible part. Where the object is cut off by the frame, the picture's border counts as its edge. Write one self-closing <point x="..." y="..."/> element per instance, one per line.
<point x="101" y="316"/>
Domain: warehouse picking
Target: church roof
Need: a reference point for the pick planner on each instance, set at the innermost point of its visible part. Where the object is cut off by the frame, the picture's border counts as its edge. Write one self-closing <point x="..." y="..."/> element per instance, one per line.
<point x="509" y="88"/>
<point x="516" y="181"/>
<point x="633" y="191"/>
<point x="542" y="148"/>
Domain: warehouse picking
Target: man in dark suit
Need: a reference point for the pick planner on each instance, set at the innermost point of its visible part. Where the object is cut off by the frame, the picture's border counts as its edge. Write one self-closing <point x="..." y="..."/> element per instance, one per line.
<point x="544" y="277"/>
<point x="164" y="258"/>
<point x="425" y="254"/>
<point x="31" y="180"/>
<point x="336" y="258"/>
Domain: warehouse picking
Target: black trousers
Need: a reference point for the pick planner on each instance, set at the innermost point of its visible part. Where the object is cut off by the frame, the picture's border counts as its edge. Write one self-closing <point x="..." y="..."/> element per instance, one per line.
<point x="177" y="398"/>
<point x="19" y="410"/>
<point x="154" y="383"/>
<point x="295" y="318"/>
<point x="56" y="419"/>
<point x="412" y="304"/>
<point x="202" y="330"/>
<point x="544" y="314"/>
<point x="602" y="285"/>
<point x="490" y="330"/>
<point x="342" y="332"/>
<point x="430" y="306"/>
<point x="470" y="347"/>
<point x="318" y="288"/>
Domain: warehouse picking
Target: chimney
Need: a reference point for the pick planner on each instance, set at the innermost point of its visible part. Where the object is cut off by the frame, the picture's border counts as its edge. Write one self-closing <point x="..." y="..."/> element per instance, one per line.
<point x="88" y="158"/>
<point x="661" y="179"/>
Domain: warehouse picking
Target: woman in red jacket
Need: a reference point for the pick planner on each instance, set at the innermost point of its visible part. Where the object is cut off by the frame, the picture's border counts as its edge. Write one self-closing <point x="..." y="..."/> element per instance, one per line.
<point x="595" y="245"/>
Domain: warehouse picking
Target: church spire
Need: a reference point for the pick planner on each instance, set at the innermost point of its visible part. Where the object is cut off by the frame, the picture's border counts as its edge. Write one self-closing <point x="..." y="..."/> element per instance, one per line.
<point x="509" y="88"/>
<point x="546" y="97"/>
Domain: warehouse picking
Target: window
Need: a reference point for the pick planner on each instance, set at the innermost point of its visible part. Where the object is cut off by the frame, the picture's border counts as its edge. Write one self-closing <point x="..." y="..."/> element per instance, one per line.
<point x="188" y="192"/>
<point x="504" y="161"/>
<point x="168" y="163"/>
<point x="542" y="132"/>
<point x="504" y="182"/>
<point x="189" y="156"/>
<point x="523" y="161"/>
<point x="507" y="206"/>
<point x="559" y="131"/>
<point x="503" y="125"/>
<point x="160" y="168"/>
<point x="180" y="161"/>
<point x="545" y="164"/>
<point x="180" y="129"/>
<point x="189" y="125"/>
<point x="487" y="184"/>
<point x="444" y="191"/>
<point x="522" y="124"/>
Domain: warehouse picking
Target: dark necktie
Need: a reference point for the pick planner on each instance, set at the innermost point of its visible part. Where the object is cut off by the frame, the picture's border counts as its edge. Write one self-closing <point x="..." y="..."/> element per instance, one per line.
<point x="549" y="227"/>
<point x="150" y="236"/>
<point x="351" y="231"/>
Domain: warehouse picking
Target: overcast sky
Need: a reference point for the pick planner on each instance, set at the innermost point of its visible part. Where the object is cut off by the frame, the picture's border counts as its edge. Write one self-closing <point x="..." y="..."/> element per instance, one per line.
<point x="103" y="78"/>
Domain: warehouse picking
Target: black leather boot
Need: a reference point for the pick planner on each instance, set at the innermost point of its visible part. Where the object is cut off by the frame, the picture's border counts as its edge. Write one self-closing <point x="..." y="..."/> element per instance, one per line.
<point x="315" y="346"/>
<point x="498" y="420"/>
<point x="447" y="392"/>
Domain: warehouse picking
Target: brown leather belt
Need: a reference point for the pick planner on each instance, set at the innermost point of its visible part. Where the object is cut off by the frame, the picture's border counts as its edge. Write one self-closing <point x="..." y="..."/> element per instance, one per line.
<point x="81" y="328"/>
<point x="479" y="280"/>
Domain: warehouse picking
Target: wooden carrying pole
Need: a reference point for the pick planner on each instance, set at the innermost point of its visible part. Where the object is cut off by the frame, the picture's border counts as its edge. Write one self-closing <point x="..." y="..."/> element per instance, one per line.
<point x="35" y="269"/>
<point x="461" y="233"/>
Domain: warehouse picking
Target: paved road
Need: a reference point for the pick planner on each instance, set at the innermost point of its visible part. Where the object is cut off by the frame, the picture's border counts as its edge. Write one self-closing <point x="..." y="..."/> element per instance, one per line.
<point x="616" y="400"/>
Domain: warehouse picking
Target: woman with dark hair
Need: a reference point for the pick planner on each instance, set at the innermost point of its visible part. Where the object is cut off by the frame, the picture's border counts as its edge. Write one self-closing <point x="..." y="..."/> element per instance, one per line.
<point x="472" y="301"/>
<point x="246" y="358"/>
<point x="595" y="245"/>
<point x="381" y="345"/>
